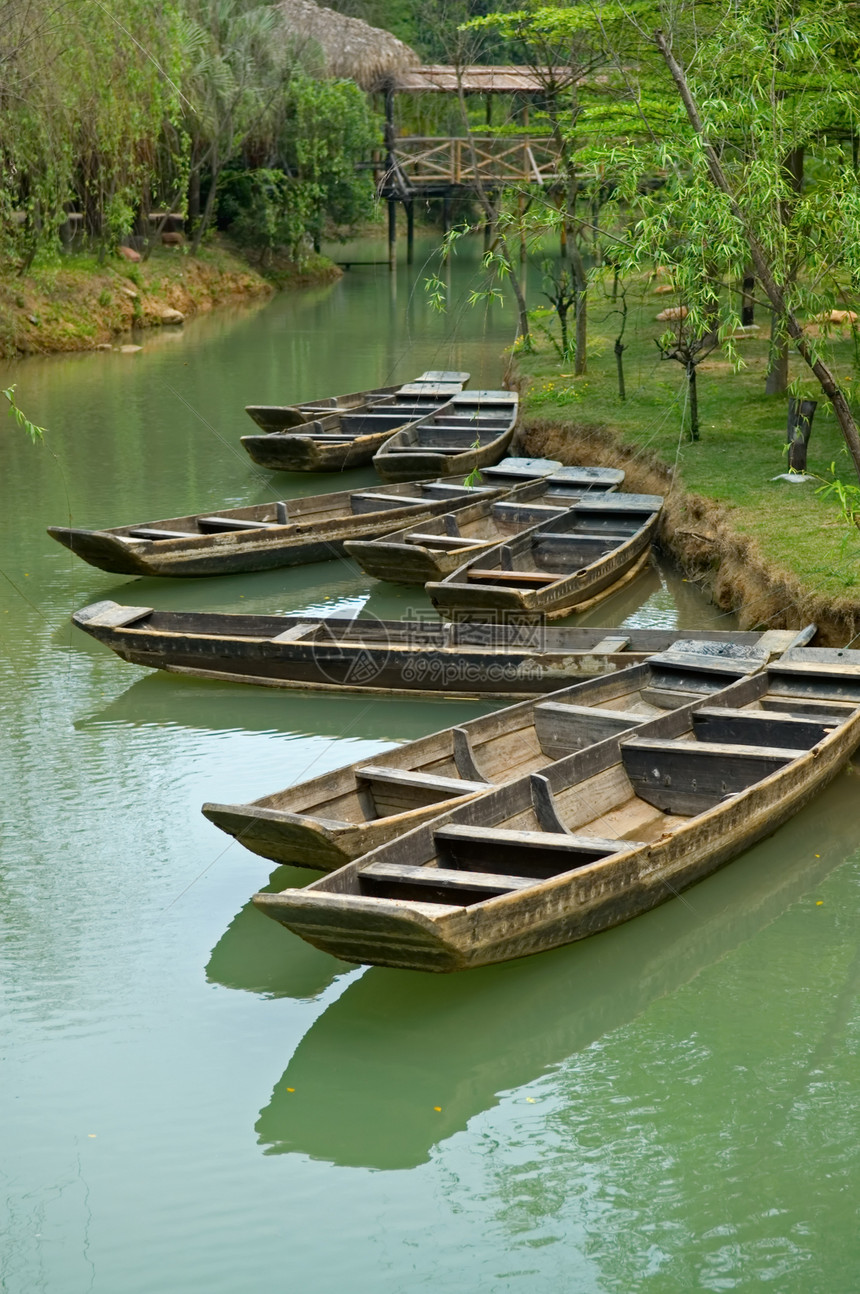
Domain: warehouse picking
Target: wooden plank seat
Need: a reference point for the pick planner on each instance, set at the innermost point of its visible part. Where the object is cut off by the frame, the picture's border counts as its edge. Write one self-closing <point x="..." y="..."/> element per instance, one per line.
<point x="808" y="706"/>
<point x="430" y="449"/>
<point x="118" y="617"/>
<point x="360" y="502"/>
<point x="690" y="777"/>
<point x="447" y="885"/>
<point x="609" y="645"/>
<point x="562" y="729"/>
<point x="234" y="523"/>
<point x="152" y="532"/>
<point x="580" y="537"/>
<point x="538" y="854"/>
<point x="401" y="777"/>
<point x="295" y="632"/>
<point x="716" y="723"/>
<point x="448" y="491"/>
<point x="441" y="541"/>
<point x="536" y="578"/>
<point x="670" y="697"/>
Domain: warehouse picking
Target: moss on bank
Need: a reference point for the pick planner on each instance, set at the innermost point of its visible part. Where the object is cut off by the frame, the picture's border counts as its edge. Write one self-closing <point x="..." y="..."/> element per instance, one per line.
<point x="776" y="553"/>
<point x="74" y="303"/>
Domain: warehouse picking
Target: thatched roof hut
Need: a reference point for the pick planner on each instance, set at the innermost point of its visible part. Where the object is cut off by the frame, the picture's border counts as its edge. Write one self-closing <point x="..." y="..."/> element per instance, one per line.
<point x="349" y="47"/>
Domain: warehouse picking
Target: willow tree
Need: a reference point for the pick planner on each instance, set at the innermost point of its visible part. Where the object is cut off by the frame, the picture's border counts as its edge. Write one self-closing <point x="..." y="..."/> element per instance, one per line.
<point x="565" y="49"/>
<point x="755" y="86"/>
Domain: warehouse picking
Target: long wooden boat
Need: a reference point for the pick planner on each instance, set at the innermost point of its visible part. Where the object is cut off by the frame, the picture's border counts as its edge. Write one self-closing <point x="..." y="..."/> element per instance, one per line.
<point x="595" y="838"/>
<point x="325" y="822"/>
<point x="501" y="1030"/>
<point x="280" y="533"/>
<point x="325" y="441"/>
<point x="420" y="552"/>
<point x="280" y="417"/>
<point x="379" y="657"/>
<point x="471" y="432"/>
<point x="562" y="566"/>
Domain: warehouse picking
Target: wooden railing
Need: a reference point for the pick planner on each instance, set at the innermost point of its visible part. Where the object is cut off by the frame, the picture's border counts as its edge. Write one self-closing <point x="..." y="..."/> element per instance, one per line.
<point x="421" y="162"/>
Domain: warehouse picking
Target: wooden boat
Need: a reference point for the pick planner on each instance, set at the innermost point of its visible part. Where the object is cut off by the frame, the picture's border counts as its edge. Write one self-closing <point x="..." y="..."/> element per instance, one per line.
<point x="559" y="567"/>
<point x="420" y="552"/>
<point x="325" y="822"/>
<point x="595" y="838"/>
<point x="325" y="441"/>
<point x="280" y="417"/>
<point x="281" y="533"/>
<point x="472" y="431"/>
<point x="501" y="1030"/>
<point x="377" y="657"/>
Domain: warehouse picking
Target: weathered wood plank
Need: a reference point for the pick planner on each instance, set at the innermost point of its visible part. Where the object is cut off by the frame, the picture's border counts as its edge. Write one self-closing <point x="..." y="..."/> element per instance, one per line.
<point x="716" y="724"/>
<point x="429" y="781"/>
<point x="689" y="777"/>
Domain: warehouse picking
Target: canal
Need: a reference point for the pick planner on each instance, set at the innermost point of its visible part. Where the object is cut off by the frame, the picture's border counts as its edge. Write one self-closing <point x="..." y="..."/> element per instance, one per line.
<point x="193" y="1100"/>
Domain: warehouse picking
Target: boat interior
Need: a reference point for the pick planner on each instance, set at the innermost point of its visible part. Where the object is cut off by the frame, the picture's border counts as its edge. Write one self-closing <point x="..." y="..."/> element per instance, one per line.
<point x="501" y="747"/>
<point x="579" y="536"/>
<point x="323" y="507"/>
<point x="600" y="803"/>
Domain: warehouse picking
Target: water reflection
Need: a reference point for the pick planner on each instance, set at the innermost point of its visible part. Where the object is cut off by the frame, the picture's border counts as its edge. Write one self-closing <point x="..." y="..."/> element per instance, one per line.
<point x="252" y="954"/>
<point x="207" y="705"/>
<point x="369" y="1075"/>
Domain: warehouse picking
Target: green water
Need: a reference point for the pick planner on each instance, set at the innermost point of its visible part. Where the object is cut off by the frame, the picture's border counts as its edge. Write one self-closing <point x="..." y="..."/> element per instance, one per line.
<point x="194" y="1100"/>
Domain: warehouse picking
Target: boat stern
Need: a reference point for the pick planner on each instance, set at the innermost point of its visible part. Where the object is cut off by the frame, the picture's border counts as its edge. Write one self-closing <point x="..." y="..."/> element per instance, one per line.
<point x="379" y="932"/>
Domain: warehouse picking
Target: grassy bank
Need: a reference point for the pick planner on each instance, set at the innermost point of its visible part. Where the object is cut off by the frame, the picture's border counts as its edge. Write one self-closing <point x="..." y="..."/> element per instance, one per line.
<point x="777" y="553"/>
<point x="75" y="303"/>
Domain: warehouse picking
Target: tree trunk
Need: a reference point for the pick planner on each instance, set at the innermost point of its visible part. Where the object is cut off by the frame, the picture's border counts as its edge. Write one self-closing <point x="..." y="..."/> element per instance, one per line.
<point x="776" y="382"/>
<point x="694" y="401"/>
<point x="827" y="381"/>
<point x="501" y="241"/>
<point x="747" y="302"/>
<point x="619" y="364"/>
<point x="800" y="415"/>
<point x="203" y="223"/>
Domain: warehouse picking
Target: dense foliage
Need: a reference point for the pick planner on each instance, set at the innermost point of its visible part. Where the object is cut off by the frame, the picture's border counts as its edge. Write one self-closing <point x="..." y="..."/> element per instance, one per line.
<point x="113" y="111"/>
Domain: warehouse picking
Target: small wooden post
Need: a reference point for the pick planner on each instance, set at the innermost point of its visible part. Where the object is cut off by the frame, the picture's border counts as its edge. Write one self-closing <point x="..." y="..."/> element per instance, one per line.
<point x="392" y="233"/>
<point x="800" y="415"/>
<point x="410" y="231"/>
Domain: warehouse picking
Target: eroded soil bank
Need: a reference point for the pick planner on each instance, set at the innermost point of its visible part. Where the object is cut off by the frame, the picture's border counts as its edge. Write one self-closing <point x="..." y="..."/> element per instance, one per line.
<point x="699" y="533"/>
<point x="78" y="304"/>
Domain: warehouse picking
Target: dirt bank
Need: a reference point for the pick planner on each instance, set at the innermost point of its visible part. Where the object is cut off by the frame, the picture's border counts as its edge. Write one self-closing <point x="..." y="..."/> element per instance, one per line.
<point x="77" y="304"/>
<point x="699" y="533"/>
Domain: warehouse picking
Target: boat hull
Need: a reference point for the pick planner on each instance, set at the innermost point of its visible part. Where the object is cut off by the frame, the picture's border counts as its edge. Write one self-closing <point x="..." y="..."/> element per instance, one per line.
<point x="306" y="539"/>
<point x="282" y="651"/>
<point x="299" y="452"/>
<point x="392" y="466"/>
<point x="566" y="908"/>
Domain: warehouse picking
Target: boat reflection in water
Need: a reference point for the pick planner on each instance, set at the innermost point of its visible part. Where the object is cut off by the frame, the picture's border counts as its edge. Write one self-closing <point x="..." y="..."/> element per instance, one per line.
<point x="208" y="705"/>
<point x="402" y="1061"/>
<point x="253" y="955"/>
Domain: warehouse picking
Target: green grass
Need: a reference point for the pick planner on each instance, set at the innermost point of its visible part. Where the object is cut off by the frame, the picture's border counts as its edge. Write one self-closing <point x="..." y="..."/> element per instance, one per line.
<point x="742" y="434"/>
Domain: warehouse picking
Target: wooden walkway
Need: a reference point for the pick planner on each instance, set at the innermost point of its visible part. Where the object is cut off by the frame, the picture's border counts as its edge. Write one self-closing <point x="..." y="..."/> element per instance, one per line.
<point x="433" y="166"/>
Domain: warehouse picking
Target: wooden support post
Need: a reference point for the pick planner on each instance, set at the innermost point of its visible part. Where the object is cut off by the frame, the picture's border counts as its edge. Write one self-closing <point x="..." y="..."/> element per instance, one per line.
<point x="392" y="233"/>
<point x="410" y="231"/>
